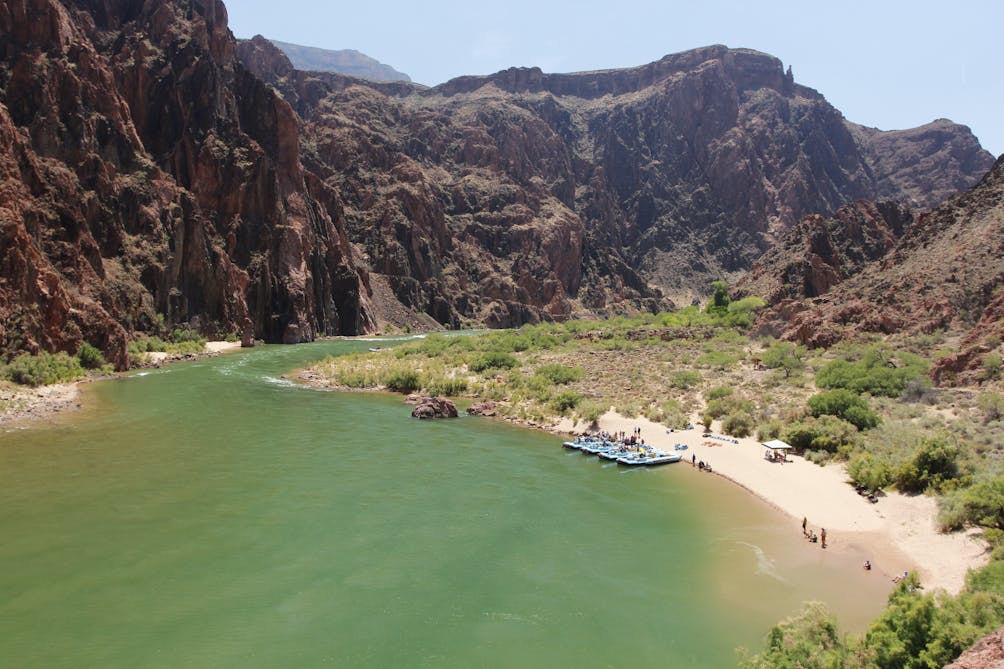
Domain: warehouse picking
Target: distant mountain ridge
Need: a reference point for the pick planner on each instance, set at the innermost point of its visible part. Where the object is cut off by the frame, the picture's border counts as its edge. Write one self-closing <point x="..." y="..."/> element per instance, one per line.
<point x="156" y="172"/>
<point x="344" y="61"/>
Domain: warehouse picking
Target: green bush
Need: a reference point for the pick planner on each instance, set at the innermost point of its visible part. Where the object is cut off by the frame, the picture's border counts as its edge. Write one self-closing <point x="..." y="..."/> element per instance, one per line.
<point x="560" y="374"/>
<point x="877" y="372"/>
<point x="90" y="357"/>
<point x="827" y="433"/>
<point x="43" y="369"/>
<point x="934" y="462"/>
<point x="685" y="379"/>
<point x="866" y="470"/>
<point x="846" y="405"/>
<point x="992" y="406"/>
<point x="493" y="360"/>
<point x="991" y="366"/>
<point x="718" y="393"/>
<point x="784" y="356"/>
<point x="565" y="400"/>
<point x="589" y="411"/>
<point x="810" y="640"/>
<point x="183" y="335"/>
<point x="738" y="424"/>
<point x="718" y="359"/>
<point x="448" y="387"/>
<point x="402" y="381"/>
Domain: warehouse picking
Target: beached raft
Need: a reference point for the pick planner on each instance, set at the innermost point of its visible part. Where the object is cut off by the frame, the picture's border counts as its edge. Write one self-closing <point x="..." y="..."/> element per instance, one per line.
<point x="625" y="454"/>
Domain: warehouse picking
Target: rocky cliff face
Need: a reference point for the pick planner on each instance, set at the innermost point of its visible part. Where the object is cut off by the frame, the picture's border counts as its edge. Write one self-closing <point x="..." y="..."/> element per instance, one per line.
<point x="652" y="181"/>
<point x="820" y="252"/>
<point x="946" y="271"/>
<point x="154" y="166"/>
<point x="146" y="172"/>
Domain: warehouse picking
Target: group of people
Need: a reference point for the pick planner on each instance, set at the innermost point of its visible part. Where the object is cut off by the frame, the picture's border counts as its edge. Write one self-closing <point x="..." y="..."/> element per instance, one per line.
<point x="700" y="464"/>
<point x="810" y="534"/>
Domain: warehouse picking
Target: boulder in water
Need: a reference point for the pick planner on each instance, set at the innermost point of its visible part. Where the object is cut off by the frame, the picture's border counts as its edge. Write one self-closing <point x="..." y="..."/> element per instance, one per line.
<point x="435" y="407"/>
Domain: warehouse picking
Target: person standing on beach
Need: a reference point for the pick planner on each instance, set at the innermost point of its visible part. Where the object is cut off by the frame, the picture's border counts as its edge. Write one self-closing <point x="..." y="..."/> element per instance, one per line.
<point x="804" y="521"/>
<point x="822" y="537"/>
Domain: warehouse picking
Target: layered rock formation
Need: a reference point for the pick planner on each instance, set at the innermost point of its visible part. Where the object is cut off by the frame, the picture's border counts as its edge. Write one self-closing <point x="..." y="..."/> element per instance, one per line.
<point x="148" y="177"/>
<point x="524" y="195"/>
<point x="945" y="272"/>
<point x="820" y="252"/>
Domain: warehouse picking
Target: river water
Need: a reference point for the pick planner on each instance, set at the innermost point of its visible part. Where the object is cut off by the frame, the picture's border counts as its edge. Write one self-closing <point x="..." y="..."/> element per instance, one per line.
<point x="212" y="514"/>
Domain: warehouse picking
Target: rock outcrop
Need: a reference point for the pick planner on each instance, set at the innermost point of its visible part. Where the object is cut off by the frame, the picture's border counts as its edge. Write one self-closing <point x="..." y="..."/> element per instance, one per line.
<point x="156" y="172"/>
<point x="945" y="272"/>
<point x="820" y="252"/>
<point x="434" y="407"/>
<point x="987" y="653"/>
<point x="523" y="196"/>
<point x="149" y="179"/>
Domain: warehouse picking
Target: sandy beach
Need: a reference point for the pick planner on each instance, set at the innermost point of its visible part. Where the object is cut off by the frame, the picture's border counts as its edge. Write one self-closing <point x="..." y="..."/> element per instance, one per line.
<point x="22" y="403"/>
<point x="899" y="533"/>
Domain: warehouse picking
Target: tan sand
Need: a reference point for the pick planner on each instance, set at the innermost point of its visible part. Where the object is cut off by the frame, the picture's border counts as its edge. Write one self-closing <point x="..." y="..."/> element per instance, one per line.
<point x="222" y="346"/>
<point x="900" y="531"/>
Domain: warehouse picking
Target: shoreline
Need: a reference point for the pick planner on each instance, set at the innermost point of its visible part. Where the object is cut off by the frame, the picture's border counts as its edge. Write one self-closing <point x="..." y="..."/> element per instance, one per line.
<point x="25" y="405"/>
<point x="898" y="533"/>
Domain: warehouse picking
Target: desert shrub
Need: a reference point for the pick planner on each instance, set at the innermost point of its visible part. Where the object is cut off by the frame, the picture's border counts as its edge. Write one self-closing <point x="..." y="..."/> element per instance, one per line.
<point x="565" y="400"/>
<point x="402" y="381"/>
<point x="784" y="356"/>
<point x="933" y="463"/>
<point x="991" y="406"/>
<point x="810" y="640"/>
<point x="864" y="469"/>
<point x="991" y="366"/>
<point x="877" y="372"/>
<point x="917" y="389"/>
<point x="826" y="433"/>
<point x="740" y="313"/>
<point x="43" y="369"/>
<point x="673" y="415"/>
<point x="844" y="404"/>
<point x="718" y="359"/>
<point x="493" y="360"/>
<point x="447" y="387"/>
<point x="980" y="504"/>
<point x="589" y="411"/>
<point x="685" y="379"/>
<point x="90" y="357"/>
<point x="182" y="335"/>
<point x="232" y="337"/>
<point x="560" y="374"/>
<point x="770" y="430"/>
<point x="718" y="393"/>
<point x="739" y="424"/>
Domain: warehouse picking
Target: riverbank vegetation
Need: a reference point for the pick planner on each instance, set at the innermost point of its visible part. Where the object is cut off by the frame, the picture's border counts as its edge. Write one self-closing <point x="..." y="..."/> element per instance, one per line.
<point x="868" y="402"/>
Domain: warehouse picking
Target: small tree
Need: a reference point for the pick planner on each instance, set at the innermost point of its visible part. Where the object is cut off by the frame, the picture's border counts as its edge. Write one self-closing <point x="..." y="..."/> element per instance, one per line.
<point x="719" y="303"/>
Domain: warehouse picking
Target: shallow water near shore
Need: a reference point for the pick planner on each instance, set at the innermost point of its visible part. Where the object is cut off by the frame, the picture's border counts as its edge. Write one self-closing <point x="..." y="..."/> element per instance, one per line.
<point x="214" y="514"/>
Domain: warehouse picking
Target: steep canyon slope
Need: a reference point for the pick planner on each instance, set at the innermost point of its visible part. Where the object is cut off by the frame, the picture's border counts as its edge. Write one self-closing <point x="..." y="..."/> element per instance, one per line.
<point x="880" y="268"/>
<point x="148" y="176"/>
<point x="524" y="195"/>
<point x="155" y="170"/>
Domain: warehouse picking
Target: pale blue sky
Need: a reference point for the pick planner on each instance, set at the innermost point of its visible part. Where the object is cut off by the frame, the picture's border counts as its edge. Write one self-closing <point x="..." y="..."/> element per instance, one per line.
<point x="891" y="65"/>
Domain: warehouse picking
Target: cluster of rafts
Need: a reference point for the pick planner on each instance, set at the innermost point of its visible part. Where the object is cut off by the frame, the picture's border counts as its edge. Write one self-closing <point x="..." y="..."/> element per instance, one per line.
<point x="631" y="455"/>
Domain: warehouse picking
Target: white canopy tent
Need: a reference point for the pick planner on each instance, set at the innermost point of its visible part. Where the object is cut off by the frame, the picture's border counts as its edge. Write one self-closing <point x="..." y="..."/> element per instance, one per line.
<point x="777" y="450"/>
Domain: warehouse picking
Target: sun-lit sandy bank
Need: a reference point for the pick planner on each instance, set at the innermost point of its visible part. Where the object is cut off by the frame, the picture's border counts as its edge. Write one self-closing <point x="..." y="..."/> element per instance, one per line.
<point x="898" y="533"/>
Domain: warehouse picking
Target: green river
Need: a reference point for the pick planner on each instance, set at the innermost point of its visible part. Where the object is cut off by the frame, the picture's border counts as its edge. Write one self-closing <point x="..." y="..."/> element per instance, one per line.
<point x="212" y="514"/>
